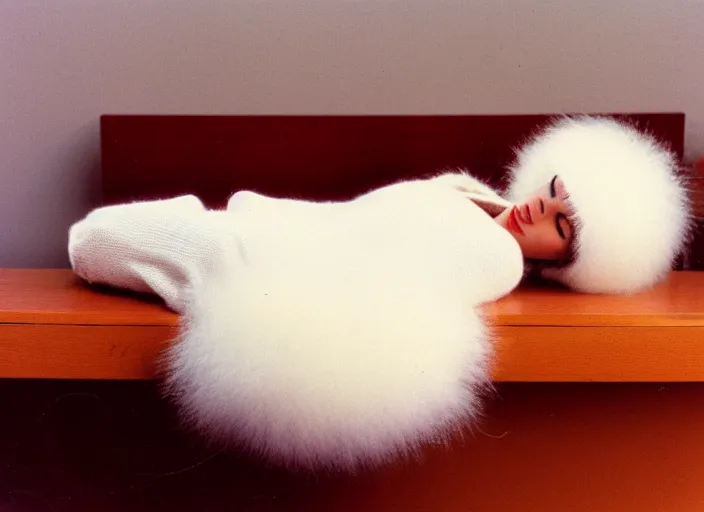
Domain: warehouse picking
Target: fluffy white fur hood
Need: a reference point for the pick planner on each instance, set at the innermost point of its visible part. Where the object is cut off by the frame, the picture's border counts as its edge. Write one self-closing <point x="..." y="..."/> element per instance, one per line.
<point x="632" y="207"/>
<point x="344" y="334"/>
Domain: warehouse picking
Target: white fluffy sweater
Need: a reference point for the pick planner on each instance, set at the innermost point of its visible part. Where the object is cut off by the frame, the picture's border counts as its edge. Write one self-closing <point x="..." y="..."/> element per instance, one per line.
<point x="317" y="334"/>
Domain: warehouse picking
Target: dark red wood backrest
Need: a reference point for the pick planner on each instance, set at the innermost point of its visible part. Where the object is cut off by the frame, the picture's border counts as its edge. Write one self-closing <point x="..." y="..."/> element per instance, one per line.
<point x="317" y="157"/>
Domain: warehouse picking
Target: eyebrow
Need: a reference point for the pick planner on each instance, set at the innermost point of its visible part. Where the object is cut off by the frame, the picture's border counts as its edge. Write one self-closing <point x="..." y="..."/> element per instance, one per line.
<point x="552" y="186"/>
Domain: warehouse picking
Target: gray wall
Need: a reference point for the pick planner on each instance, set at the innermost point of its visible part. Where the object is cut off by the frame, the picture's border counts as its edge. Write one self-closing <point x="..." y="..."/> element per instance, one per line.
<point x="64" y="62"/>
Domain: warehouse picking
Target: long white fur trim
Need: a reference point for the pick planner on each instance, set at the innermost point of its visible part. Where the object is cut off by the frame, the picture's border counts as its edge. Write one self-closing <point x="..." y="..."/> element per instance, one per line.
<point x="343" y="335"/>
<point x="632" y="206"/>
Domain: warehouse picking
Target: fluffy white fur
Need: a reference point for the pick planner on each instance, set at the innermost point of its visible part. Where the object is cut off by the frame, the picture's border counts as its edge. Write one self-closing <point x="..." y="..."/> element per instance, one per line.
<point x="632" y="207"/>
<point x="343" y="335"/>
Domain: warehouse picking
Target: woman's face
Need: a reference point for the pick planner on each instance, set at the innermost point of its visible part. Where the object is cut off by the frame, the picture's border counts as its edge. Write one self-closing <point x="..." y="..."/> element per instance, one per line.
<point x="540" y="222"/>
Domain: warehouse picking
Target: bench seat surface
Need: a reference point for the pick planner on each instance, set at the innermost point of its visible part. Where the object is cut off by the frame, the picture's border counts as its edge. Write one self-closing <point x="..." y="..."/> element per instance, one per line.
<point x="52" y="325"/>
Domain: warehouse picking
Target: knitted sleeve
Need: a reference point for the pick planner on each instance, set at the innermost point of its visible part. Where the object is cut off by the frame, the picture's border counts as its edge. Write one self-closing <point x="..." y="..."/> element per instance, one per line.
<point x="160" y="247"/>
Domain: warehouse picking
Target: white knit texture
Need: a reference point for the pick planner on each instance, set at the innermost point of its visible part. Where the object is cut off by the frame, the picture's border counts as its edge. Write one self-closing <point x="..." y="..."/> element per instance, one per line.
<point x="158" y="247"/>
<point x="333" y="335"/>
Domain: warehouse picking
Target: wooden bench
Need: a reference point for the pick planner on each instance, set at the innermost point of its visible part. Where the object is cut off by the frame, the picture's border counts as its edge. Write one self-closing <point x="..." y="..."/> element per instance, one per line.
<point x="53" y="326"/>
<point x="598" y="402"/>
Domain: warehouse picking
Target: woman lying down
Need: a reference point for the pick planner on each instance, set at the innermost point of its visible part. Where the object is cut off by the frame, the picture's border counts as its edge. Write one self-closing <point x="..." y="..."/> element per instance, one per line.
<point x="339" y="335"/>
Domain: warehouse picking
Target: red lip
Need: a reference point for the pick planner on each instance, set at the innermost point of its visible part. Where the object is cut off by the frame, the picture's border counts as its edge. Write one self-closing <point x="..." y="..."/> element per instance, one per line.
<point x="512" y="222"/>
<point x="524" y="218"/>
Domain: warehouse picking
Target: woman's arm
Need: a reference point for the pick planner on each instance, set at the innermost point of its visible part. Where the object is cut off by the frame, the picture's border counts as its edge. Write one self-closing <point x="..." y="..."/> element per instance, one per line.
<point x="161" y="247"/>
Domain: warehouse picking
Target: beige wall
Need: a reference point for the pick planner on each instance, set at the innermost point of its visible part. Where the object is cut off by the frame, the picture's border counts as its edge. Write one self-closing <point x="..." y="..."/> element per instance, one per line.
<point x="63" y="63"/>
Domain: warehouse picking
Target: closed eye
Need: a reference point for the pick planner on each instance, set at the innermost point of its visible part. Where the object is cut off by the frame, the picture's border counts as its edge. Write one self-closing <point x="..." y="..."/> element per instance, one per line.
<point x="558" y="225"/>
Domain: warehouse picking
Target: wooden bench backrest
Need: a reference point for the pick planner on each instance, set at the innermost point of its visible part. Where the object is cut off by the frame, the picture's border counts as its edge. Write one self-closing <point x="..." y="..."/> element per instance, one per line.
<point x="318" y="157"/>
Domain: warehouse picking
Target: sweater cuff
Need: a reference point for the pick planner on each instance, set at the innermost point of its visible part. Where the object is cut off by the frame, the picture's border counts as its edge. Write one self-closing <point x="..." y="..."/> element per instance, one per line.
<point x="160" y="247"/>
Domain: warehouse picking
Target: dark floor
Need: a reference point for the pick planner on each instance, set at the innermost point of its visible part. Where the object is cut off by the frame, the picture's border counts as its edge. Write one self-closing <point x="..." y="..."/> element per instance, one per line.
<point x="107" y="446"/>
<point x="116" y="446"/>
